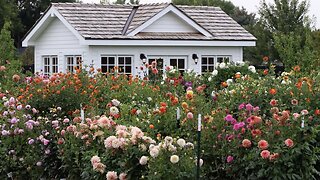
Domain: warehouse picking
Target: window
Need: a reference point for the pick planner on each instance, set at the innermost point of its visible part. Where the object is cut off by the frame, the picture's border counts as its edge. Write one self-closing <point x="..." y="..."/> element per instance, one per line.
<point x="208" y="63"/>
<point x="50" y="64"/>
<point x="124" y="64"/>
<point x="178" y="63"/>
<point x="223" y="59"/>
<point x="73" y="63"/>
<point x="160" y="64"/>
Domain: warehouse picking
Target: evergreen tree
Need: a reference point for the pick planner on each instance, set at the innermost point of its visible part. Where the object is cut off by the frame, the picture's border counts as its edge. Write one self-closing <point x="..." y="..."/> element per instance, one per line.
<point x="7" y="49"/>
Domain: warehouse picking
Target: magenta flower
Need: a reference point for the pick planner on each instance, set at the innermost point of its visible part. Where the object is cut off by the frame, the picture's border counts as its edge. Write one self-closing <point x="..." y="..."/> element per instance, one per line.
<point x="189" y="115"/>
<point x="239" y="125"/>
<point x="255" y="109"/>
<point x="249" y="107"/>
<point x="229" y="118"/>
<point x="230" y="159"/>
<point x="241" y="106"/>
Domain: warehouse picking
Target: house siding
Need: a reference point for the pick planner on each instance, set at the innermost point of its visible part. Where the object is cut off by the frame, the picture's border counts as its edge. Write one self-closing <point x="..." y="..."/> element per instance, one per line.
<point x="97" y="51"/>
<point x="170" y="23"/>
<point x="58" y="40"/>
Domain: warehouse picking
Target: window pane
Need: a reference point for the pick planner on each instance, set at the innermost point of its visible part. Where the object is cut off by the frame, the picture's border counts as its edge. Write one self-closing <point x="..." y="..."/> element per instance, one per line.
<point x="70" y="68"/>
<point x="173" y="62"/>
<point x="54" y="60"/>
<point x="111" y="60"/>
<point x="104" y="60"/>
<point x="220" y="59"/>
<point x="128" y="69"/>
<point x="104" y="69"/>
<point x="151" y="60"/>
<point x="69" y="60"/>
<point x="121" y="69"/>
<point x="79" y="60"/>
<point x="226" y="59"/>
<point x="46" y="69"/>
<point x="211" y="68"/>
<point x="211" y="60"/>
<point x="111" y="68"/>
<point x="203" y="68"/>
<point x="128" y="60"/>
<point x="180" y="63"/>
<point x="204" y="60"/>
<point x="54" y="69"/>
<point x="121" y="60"/>
<point x="46" y="61"/>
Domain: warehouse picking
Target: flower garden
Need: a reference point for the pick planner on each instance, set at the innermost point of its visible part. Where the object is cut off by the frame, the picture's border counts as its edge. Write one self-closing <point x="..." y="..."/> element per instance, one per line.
<point x="88" y="125"/>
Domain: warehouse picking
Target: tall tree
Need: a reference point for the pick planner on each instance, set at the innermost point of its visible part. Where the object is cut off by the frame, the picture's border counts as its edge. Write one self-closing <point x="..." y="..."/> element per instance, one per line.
<point x="286" y="24"/>
<point x="7" y="49"/>
<point x="9" y="13"/>
<point x="30" y="11"/>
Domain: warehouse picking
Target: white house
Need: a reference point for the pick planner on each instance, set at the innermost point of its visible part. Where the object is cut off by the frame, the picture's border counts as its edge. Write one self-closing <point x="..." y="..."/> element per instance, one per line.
<point x="127" y="36"/>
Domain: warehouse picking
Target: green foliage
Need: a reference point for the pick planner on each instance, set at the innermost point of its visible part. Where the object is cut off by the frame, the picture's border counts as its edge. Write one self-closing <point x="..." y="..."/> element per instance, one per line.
<point x="291" y="53"/>
<point x="7" y="49"/>
<point x="125" y="115"/>
<point x="9" y="13"/>
<point x="287" y="32"/>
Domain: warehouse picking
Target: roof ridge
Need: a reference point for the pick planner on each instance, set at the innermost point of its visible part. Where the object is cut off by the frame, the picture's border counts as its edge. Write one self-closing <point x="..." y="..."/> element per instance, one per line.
<point x="154" y="4"/>
<point x="92" y="4"/>
<point x="194" y="6"/>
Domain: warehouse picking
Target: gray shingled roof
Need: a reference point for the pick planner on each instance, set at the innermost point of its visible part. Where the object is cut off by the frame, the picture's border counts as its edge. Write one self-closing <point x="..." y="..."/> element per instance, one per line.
<point x="96" y="21"/>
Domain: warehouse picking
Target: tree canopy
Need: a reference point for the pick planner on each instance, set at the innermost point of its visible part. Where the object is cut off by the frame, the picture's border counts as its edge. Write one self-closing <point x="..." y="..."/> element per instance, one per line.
<point x="287" y="26"/>
<point x="7" y="49"/>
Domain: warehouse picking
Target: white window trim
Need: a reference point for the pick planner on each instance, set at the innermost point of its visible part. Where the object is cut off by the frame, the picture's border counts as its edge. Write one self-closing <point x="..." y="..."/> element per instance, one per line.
<point x="166" y="60"/>
<point x="51" y="64"/>
<point x="215" y="60"/>
<point x="75" y="64"/>
<point x="116" y="64"/>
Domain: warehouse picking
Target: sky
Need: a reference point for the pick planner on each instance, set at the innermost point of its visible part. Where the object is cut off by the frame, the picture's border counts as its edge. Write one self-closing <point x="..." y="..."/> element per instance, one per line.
<point x="250" y="5"/>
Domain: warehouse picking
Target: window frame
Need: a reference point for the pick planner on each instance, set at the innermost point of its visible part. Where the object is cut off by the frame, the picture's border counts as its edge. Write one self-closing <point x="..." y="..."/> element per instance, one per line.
<point x="215" y="62"/>
<point x="121" y="67"/>
<point x="75" y="62"/>
<point x="50" y="64"/>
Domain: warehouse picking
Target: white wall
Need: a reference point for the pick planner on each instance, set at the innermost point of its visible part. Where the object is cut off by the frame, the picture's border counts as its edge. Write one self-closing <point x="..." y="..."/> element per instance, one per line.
<point x="58" y="40"/>
<point x="97" y="51"/>
<point x="169" y="23"/>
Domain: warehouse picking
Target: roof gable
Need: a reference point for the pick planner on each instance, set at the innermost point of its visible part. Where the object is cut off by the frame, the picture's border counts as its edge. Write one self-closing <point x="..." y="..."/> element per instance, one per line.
<point x="170" y="9"/>
<point x="170" y="23"/>
<point x="41" y="25"/>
